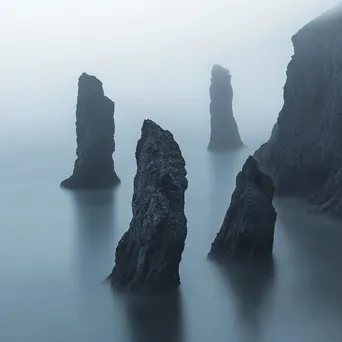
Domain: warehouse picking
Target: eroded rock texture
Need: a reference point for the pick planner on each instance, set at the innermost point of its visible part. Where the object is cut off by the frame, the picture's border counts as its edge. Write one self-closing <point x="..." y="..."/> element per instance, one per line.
<point x="148" y="255"/>
<point x="248" y="227"/>
<point x="94" y="166"/>
<point x="304" y="152"/>
<point x="224" y="130"/>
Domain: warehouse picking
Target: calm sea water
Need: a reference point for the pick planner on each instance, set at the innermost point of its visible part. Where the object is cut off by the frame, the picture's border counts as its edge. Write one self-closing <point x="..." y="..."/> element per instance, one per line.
<point x="57" y="246"/>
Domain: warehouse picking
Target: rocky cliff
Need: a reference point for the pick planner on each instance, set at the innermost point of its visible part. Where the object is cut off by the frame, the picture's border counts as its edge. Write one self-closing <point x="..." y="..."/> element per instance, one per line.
<point x="304" y="152"/>
<point x="94" y="166"/>
<point x="248" y="227"/>
<point x="224" y="130"/>
<point x="148" y="255"/>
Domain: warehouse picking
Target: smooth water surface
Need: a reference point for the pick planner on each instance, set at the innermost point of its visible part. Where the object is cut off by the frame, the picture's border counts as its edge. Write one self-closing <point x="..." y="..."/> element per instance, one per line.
<point x="57" y="246"/>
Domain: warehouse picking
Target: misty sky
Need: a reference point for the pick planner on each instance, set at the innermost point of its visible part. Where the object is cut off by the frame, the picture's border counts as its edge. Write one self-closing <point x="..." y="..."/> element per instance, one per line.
<point x="149" y="49"/>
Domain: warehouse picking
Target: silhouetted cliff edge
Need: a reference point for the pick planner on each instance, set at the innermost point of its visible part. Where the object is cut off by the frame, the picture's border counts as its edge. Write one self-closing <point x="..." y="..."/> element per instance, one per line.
<point x="304" y="152"/>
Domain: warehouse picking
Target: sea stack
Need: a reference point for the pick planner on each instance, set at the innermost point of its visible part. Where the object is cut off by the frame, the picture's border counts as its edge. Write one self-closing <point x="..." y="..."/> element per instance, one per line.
<point x="94" y="166"/>
<point x="248" y="227"/>
<point x="304" y="152"/>
<point x="224" y="130"/>
<point x="148" y="255"/>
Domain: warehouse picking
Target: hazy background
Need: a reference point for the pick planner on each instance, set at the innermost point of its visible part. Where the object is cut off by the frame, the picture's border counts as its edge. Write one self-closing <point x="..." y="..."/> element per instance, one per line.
<point x="154" y="59"/>
<point x="152" y="50"/>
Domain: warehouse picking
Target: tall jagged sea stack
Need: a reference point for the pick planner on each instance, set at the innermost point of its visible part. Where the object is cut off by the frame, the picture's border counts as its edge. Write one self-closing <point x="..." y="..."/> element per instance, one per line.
<point x="304" y="152"/>
<point x="248" y="227"/>
<point x="224" y="133"/>
<point x="94" y="166"/>
<point x="148" y="255"/>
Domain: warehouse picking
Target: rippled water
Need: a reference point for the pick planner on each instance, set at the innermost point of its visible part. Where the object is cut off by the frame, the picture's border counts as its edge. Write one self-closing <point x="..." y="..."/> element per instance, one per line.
<point x="57" y="246"/>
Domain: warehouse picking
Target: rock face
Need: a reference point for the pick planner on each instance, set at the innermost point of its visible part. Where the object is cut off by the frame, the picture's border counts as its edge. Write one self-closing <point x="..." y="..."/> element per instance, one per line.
<point x="148" y="255"/>
<point x="248" y="227"/>
<point x="224" y="130"/>
<point x="94" y="166"/>
<point x="304" y="152"/>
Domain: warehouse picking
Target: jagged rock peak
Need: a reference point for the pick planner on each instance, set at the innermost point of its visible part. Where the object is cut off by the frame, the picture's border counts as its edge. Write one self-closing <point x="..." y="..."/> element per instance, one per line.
<point x="218" y="72"/>
<point x="224" y="130"/>
<point x="148" y="255"/>
<point x="303" y="154"/>
<point x="248" y="227"/>
<point x="94" y="166"/>
<point x="89" y="86"/>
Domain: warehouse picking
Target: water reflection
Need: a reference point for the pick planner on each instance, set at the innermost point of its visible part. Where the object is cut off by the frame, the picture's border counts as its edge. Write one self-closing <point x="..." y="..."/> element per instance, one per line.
<point x="155" y="318"/>
<point x="251" y="283"/>
<point x="95" y="233"/>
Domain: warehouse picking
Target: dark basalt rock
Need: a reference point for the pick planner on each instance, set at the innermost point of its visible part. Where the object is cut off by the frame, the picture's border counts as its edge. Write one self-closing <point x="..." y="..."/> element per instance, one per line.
<point x="224" y="130"/>
<point x="304" y="152"/>
<point x="148" y="255"/>
<point x="94" y="166"/>
<point x="248" y="227"/>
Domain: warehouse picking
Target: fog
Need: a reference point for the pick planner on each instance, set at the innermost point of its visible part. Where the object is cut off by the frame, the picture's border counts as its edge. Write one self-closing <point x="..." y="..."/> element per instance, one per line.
<point x="152" y="50"/>
<point x="154" y="59"/>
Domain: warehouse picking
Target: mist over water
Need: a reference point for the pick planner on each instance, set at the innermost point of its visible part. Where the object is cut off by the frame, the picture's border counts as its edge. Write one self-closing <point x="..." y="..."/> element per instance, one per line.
<point x="57" y="246"/>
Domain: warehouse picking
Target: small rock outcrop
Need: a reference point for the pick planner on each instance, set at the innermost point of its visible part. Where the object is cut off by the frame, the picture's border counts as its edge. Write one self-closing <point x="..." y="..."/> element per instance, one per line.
<point x="94" y="166"/>
<point x="224" y="130"/>
<point x="248" y="227"/>
<point x="148" y="255"/>
<point x="304" y="152"/>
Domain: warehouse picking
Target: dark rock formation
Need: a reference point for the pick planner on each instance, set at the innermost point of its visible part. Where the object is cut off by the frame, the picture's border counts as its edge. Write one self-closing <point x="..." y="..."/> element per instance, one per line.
<point x="148" y="255"/>
<point x="304" y="152"/>
<point x="224" y="130"/>
<point x="94" y="166"/>
<point x="248" y="227"/>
